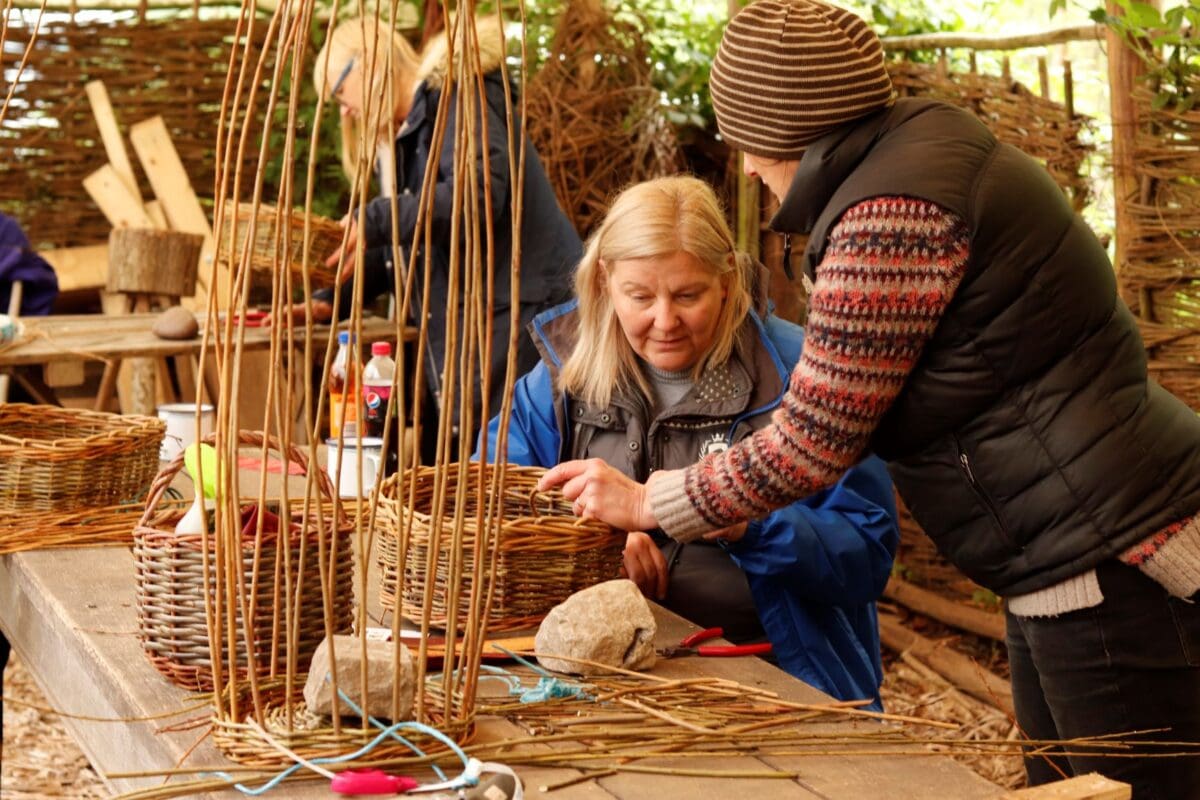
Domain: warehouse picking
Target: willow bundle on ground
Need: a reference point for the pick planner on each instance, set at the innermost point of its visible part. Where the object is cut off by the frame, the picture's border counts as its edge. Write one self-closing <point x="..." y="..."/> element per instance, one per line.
<point x="596" y="119"/>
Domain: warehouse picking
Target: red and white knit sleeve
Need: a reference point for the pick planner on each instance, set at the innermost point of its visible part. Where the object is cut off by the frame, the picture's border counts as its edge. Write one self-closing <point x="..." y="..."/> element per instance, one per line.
<point x="891" y="266"/>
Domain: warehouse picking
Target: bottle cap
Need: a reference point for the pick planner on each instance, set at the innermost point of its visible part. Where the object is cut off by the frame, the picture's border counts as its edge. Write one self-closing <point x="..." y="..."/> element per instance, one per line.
<point x="381" y="348"/>
<point x="344" y="337"/>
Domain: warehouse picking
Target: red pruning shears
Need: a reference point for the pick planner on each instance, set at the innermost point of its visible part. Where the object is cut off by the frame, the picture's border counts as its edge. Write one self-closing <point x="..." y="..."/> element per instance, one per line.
<point x="691" y="646"/>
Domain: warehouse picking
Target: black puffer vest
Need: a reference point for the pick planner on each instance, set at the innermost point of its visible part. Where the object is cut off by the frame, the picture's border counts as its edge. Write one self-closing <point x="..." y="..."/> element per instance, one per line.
<point x="1028" y="441"/>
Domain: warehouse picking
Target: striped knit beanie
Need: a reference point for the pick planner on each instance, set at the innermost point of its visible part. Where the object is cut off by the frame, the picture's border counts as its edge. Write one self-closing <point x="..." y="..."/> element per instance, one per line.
<point x="790" y="71"/>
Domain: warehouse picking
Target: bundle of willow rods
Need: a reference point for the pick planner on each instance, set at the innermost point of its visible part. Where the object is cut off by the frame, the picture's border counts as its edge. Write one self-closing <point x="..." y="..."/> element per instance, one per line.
<point x="627" y="722"/>
<point x="469" y="342"/>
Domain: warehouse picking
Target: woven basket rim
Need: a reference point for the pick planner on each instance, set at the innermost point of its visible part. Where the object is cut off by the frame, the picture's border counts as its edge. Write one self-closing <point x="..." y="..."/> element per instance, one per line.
<point x="116" y="425"/>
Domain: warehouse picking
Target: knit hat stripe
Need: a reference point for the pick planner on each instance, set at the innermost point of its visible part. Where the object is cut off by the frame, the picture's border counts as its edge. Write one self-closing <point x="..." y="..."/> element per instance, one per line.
<point x="790" y="71"/>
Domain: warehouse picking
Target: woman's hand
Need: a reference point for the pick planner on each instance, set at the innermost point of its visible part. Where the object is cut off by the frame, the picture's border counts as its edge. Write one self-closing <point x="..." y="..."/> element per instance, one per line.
<point x="349" y="247"/>
<point x="322" y="313"/>
<point x="643" y="563"/>
<point x="601" y="492"/>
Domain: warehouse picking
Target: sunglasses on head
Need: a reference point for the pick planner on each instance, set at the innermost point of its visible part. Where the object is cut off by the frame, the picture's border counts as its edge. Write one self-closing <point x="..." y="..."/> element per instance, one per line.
<point x="341" y="78"/>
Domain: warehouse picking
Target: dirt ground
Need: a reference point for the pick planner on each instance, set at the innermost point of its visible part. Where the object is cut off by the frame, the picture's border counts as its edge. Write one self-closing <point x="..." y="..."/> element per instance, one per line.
<point x="40" y="760"/>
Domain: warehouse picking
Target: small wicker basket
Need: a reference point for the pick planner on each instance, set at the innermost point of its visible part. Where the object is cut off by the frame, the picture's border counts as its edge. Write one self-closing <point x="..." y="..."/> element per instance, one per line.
<point x="546" y="554"/>
<point x="172" y="622"/>
<point x="268" y="250"/>
<point x="59" y="459"/>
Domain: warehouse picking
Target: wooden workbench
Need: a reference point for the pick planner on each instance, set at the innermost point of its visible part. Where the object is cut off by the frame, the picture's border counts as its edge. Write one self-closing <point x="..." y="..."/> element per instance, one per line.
<point x="50" y="343"/>
<point x="96" y="336"/>
<point x="70" y="616"/>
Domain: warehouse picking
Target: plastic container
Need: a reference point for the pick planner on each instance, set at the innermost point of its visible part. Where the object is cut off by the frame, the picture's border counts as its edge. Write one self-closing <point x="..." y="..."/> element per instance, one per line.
<point x="343" y="384"/>
<point x="377" y="389"/>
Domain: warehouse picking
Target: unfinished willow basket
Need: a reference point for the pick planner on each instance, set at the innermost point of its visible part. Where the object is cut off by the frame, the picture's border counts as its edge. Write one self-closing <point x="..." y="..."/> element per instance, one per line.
<point x="545" y="553"/>
<point x="268" y="248"/>
<point x="311" y="735"/>
<point x="172" y="623"/>
<point x="60" y="459"/>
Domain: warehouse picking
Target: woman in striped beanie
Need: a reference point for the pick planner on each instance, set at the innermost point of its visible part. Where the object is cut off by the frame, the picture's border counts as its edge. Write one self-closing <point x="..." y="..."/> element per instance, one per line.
<point x="964" y="325"/>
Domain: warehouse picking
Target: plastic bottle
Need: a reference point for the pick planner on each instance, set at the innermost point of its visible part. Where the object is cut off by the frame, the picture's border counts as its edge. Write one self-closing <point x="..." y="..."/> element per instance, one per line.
<point x="377" y="389"/>
<point x="343" y="383"/>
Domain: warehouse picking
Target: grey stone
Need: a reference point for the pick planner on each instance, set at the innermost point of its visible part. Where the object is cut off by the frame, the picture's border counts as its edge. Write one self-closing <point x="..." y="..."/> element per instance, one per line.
<point x="609" y="623"/>
<point x="175" y="323"/>
<point x="318" y="691"/>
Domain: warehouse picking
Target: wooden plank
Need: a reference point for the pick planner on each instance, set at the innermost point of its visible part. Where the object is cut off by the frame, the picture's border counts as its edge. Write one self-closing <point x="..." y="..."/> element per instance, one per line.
<point x="120" y="208"/>
<point x="154" y="210"/>
<point x="63" y="373"/>
<point x="79" y="268"/>
<point x="1084" y="787"/>
<point x="110" y="135"/>
<point x="174" y="191"/>
<point x="72" y="336"/>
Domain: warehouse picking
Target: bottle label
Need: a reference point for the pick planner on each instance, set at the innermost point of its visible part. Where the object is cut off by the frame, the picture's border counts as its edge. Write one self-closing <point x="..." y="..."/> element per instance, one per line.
<point x="335" y="413"/>
<point x="375" y="403"/>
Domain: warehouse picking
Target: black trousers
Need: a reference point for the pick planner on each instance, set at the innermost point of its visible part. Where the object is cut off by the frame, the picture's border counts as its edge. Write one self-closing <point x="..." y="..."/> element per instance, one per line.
<point x="1130" y="664"/>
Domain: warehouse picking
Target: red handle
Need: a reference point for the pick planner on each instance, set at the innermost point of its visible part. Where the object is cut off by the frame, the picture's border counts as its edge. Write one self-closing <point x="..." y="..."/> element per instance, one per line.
<point x="693" y="639"/>
<point x="726" y="650"/>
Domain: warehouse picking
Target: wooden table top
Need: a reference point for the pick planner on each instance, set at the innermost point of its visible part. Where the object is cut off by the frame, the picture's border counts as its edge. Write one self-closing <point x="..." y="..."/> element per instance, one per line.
<point x="71" y="617"/>
<point x="100" y="336"/>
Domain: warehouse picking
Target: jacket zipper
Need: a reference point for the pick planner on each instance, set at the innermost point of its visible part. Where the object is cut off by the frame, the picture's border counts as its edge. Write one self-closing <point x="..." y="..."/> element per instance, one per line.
<point x="965" y="463"/>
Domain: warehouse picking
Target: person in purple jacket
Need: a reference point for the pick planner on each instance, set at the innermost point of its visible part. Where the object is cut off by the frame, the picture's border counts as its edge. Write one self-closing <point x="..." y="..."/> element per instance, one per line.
<point x="18" y="262"/>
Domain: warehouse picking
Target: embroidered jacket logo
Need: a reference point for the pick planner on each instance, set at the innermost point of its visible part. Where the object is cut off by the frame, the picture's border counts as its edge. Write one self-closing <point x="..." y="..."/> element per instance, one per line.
<point x="714" y="444"/>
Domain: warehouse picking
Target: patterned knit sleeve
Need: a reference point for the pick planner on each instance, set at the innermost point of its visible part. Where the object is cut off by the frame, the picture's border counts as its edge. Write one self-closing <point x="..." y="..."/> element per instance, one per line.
<point x="890" y="268"/>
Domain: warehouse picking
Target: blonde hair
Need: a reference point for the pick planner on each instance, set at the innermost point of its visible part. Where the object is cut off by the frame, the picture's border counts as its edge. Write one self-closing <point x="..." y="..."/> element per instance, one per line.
<point x="655" y="219"/>
<point x="364" y="43"/>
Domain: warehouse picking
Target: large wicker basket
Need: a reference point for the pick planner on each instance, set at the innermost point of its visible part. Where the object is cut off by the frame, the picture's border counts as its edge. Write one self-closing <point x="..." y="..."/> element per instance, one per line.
<point x="268" y="249"/>
<point x="545" y="553"/>
<point x="58" y="459"/>
<point x="172" y="623"/>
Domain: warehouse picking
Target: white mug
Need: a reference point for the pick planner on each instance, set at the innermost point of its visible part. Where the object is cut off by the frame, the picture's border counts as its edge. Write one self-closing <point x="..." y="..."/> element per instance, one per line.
<point x="181" y="426"/>
<point x="346" y="484"/>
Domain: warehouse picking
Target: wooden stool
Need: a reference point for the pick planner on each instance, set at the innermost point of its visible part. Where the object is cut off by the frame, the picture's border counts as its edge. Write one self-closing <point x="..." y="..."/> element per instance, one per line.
<point x="148" y="268"/>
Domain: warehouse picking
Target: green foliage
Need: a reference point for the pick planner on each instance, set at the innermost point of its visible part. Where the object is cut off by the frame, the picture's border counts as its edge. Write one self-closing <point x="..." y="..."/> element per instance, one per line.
<point x="1166" y="41"/>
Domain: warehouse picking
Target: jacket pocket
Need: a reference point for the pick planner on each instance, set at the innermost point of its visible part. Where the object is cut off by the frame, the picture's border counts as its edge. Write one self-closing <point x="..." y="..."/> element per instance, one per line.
<point x="985" y="500"/>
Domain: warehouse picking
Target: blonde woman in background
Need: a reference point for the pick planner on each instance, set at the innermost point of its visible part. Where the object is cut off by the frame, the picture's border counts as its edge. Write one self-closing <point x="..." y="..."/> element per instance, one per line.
<point x="352" y="67"/>
<point x="669" y="354"/>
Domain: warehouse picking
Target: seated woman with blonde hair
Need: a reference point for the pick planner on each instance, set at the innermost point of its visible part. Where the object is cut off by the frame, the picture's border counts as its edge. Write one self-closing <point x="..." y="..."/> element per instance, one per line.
<point x="669" y="353"/>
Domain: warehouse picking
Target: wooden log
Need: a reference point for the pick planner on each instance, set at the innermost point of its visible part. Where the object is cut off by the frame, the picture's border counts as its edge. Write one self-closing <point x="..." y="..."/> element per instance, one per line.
<point x="1084" y="787"/>
<point x="148" y="261"/>
<point x="954" y="667"/>
<point x="972" y="620"/>
<point x="163" y="166"/>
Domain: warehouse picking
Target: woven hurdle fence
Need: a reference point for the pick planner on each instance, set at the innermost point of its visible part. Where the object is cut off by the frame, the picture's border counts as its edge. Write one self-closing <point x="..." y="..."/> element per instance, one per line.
<point x="49" y="140"/>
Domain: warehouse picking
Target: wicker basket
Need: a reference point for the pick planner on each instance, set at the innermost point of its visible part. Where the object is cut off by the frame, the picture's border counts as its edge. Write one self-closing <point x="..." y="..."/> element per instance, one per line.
<point x="59" y="459"/>
<point x="172" y="624"/>
<point x="266" y="250"/>
<point x="546" y="554"/>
